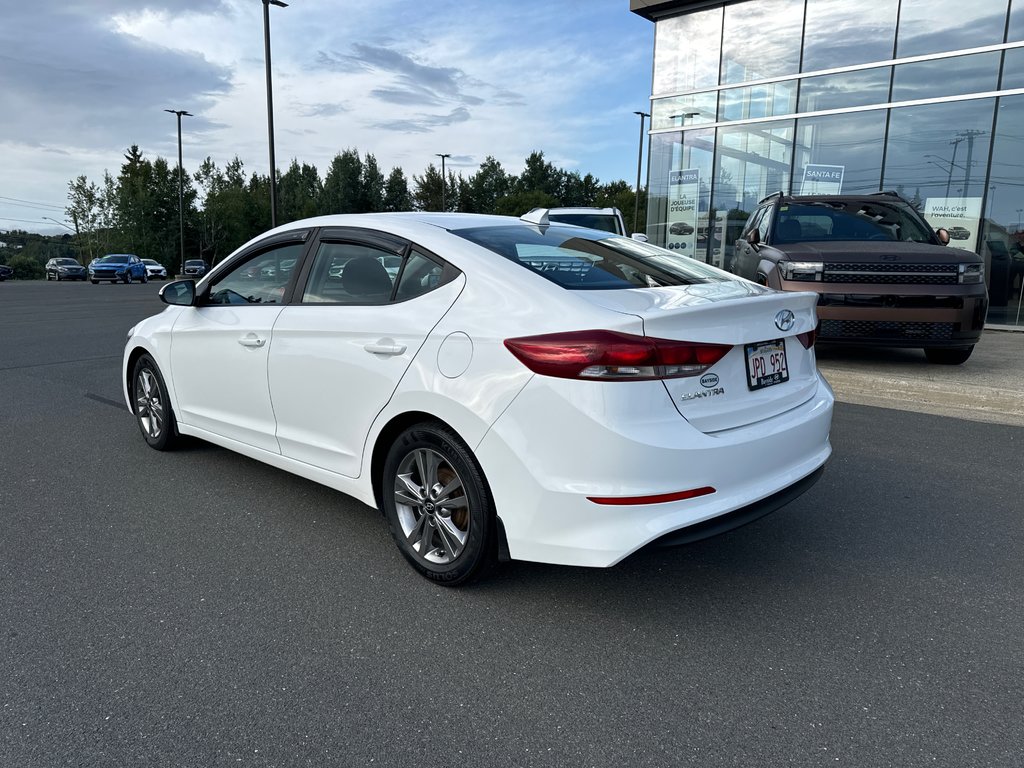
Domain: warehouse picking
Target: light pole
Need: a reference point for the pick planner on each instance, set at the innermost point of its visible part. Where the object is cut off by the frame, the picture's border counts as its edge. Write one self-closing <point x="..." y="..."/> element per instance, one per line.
<point x="639" y="164"/>
<point x="270" y="107"/>
<point x="682" y="117"/>
<point x="181" y="188"/>
<point x="442" y="155"/>
<point x="1019" y="210"/>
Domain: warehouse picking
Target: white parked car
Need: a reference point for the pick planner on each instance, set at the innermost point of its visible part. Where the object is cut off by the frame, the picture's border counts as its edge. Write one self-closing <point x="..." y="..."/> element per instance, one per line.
<point x="155" y="270"/>
<point x="517" y="389"/>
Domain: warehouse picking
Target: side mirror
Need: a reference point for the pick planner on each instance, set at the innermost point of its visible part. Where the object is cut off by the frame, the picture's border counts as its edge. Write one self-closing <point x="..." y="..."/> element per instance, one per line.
<point x="943" y="234"/>
<point x="180" y="293"/>
<point x="640" y="236"/>
<point x="754" y="238"/>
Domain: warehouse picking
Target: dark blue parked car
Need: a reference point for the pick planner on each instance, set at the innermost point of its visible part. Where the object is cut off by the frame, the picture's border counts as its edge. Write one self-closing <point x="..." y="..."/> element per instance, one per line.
<point x="118" y="267"/>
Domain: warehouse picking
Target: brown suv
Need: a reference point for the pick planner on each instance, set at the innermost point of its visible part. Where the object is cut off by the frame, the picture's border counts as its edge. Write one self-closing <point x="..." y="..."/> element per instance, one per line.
<point x="882" y="276"/>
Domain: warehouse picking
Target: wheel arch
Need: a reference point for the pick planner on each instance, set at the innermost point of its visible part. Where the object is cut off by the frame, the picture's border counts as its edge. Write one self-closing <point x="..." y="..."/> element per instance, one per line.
<point x="386" y="438"/>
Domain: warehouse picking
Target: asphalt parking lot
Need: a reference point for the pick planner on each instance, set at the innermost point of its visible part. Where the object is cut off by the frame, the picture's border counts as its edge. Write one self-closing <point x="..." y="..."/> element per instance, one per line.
<point x="988" y="387"/>
<point x="199" y="608"/>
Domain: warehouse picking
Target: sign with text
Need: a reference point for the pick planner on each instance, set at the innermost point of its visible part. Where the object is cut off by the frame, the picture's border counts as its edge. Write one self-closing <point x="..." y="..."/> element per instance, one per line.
<point x="961" y="217"/>
<point x="822" y="179"/>
<point x="683" y="196"/>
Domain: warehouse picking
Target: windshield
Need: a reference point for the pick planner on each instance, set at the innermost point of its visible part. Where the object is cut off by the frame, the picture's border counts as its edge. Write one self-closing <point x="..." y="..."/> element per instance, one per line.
<point x="114" y="258"/>
<point x="151" y="262"/>
<point x="68" y="262"/>
<point x="590" y="261"/>
<point x="194" y="263"/>
<point x="841" y="220"/>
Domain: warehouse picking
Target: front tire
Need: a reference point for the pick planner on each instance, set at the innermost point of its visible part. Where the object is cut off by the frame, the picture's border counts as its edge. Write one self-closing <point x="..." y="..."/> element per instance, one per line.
<point x="95" y="282"/>
<point x="152" y="407"/>
<point x="438" y="505"/>
<point x="145" y="277"/>
<point x="948" y="356"/>
<point x="128" y="277"/>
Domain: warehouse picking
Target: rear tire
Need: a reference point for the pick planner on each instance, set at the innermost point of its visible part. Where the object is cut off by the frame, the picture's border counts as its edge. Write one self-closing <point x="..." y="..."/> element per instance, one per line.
<point x="95" y="282"/>
<point x="152" y="407"/>
<point x="438" y="505"/>
<point x="949" y="356"/>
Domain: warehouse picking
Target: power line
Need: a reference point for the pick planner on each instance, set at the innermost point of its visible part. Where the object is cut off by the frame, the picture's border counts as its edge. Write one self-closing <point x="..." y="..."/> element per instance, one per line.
<point x="24" y="221"/>
<point x="34" y="203"/>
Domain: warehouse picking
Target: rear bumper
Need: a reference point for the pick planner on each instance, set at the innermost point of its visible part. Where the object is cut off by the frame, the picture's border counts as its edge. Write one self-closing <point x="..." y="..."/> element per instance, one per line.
<point x="541" y="477"/>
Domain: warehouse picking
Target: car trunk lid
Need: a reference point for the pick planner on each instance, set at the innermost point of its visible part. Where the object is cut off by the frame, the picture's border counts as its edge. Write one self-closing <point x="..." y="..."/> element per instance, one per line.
<point x="767" y="371"/>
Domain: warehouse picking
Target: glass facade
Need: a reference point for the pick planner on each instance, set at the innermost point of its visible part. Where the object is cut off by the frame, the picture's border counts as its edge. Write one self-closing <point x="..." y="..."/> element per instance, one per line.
<point x="758" y="96"/>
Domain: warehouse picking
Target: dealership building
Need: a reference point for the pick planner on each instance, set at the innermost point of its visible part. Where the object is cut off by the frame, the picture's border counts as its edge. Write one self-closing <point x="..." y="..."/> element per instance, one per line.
<point x="924" y="97"/>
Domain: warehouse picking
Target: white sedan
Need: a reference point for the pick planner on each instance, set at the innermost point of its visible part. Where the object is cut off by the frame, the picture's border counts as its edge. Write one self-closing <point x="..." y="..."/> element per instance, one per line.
<point x="515" y="389"/>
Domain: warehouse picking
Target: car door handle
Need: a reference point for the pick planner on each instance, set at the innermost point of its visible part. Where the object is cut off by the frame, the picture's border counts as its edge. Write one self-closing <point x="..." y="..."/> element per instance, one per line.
<point x="385" y="347"/>
<point x="252" y="340"/>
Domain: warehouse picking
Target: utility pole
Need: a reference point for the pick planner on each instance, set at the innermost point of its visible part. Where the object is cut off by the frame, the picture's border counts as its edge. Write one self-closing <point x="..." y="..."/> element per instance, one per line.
<point x="443" y="155"/>
<point x="970" y="136"/>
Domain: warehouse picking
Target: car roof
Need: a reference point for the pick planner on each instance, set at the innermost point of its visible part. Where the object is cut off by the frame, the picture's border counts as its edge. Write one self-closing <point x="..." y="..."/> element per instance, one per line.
<point x="584" y="209"/>
<point x="876" y="197"/>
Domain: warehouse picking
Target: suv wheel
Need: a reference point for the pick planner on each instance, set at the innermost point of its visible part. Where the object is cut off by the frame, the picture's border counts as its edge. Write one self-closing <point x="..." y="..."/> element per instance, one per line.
<point x="949" y="356"/>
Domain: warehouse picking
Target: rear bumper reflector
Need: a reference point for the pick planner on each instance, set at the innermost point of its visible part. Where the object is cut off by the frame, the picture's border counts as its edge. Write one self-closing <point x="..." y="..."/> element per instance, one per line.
<point x="660" y="498"/>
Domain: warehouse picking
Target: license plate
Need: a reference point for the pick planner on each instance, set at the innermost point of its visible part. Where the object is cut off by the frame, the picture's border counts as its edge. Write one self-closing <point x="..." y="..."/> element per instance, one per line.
<point x="766" y="363"/>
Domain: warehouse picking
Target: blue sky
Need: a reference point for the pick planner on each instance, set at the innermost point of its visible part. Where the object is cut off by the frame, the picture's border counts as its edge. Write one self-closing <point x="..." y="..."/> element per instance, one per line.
<point x="402" y="80"/>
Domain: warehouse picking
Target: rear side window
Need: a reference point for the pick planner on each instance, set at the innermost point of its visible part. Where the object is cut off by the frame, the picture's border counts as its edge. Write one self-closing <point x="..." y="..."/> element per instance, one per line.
<point x="588" y="261"/>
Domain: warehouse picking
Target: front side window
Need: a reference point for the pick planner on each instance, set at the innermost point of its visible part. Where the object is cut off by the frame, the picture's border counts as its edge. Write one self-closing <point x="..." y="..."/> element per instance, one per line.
<point x="260" y="279"/>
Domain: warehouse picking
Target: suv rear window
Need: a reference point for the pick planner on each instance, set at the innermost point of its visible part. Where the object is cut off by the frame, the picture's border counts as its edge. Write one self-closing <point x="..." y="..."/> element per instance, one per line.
<point x="849" y="220"/>
<point x="600" y="221"/>
<point x="589" y="261"/>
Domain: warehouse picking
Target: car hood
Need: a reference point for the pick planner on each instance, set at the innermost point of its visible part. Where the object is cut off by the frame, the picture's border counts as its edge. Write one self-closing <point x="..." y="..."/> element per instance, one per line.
<point x="872" y="252"/>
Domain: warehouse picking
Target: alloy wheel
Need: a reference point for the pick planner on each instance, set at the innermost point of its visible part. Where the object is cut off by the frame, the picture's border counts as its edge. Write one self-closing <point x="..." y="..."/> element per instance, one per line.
<point x="149" y="408"/>
<point x="432" y="506"/>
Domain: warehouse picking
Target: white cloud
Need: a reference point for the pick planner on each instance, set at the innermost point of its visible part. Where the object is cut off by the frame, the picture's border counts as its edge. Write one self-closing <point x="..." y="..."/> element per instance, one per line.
<point x="398" y="79"/>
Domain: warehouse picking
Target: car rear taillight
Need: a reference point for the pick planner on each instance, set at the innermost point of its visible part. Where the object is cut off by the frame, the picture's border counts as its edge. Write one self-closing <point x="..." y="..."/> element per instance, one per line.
<point x="807" y="338"/>
<point x="614" y="356"/>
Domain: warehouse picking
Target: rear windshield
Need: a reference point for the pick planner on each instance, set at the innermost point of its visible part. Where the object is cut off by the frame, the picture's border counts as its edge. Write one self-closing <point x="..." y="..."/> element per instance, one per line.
<point x="590" y="261"/>
<point x="600" y="221"/>
<point x="850" y="220"/>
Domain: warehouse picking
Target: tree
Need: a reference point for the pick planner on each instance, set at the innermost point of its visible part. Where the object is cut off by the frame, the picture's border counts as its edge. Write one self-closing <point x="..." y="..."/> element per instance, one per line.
<point x="426" y="194"/>
<point x="298" y="192"/>
<point x="540" y="176"/>
<point x="84" y="209"/>
<point x="489" y="184"/>
<point x="372" y="184"/>
<point x="579" y="190"/>
<point x="396" y="192"/>
<point x="518" y="203"/>
<point x="342" y="191"/>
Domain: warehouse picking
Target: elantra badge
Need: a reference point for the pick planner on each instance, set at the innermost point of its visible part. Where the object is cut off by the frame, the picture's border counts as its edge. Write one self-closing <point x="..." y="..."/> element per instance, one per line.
<point x="785" y="319"/>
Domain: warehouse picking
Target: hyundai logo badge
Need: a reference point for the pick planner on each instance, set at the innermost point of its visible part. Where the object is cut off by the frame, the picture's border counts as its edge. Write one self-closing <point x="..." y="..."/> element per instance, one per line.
<point x="709" y="380"/>
<point x="785" y="319"/>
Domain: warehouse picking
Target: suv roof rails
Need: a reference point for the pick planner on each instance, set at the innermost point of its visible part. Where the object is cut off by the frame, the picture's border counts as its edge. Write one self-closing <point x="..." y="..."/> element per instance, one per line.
<point x="779" y="194"/>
